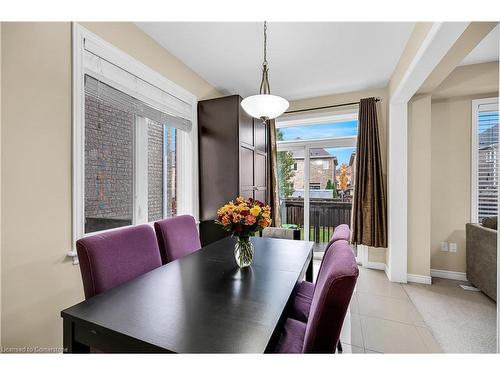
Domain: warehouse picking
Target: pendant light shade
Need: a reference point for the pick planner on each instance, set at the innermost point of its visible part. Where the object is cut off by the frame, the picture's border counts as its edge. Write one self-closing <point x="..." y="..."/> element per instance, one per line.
<point x="265" y="106"/>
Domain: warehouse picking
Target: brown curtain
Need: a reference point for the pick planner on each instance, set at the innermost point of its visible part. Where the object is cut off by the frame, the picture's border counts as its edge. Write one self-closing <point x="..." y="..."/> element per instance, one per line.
<point x="273" y="176"/>
<point x="369" y="210"/>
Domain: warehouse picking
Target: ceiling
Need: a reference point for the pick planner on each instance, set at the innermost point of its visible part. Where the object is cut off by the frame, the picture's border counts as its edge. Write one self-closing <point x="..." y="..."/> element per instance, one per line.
<point x="486" y="51"/>
<point x="306" y="59"/>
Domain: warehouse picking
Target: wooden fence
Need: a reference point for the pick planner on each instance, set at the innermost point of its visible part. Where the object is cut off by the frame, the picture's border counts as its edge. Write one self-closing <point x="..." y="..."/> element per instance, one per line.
<point x="324" y="216"/>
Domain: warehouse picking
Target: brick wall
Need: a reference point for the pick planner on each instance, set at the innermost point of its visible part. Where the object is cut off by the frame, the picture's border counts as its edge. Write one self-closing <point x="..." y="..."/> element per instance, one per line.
<point x="109" y="152"/>
<point x="109" y="166"/>
<point x="155" y="171"/>
<point x="317" y="174"/>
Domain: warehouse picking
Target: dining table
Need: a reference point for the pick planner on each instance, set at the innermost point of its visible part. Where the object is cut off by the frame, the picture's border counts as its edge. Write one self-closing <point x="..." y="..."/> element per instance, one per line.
<point x="202" y="303"/>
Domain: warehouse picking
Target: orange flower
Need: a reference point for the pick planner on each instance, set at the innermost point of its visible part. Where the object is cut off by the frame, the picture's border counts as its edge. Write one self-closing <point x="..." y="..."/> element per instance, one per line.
<point x="263" y="223"/>
<point x="225" y="220"/>
<point x="250" y="220"/>
<point x="236" y="218"/>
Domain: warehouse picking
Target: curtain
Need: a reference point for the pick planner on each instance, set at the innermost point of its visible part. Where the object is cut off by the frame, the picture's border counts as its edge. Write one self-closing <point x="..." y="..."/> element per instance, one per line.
<point x="369" y="210"/>
<point x="273" y="176"/>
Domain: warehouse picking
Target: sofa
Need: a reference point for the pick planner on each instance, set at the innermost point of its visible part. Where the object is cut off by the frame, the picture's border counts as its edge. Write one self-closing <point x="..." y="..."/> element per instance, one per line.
<point x="481" y="255"/>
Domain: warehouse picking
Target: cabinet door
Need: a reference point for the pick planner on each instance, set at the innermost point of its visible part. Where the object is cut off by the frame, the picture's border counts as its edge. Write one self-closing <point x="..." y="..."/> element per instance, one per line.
<point x="260" y="136"/>
<point x="246" y="172"/>
<point x="260" y="176"/>
<point x="246" y="129"/>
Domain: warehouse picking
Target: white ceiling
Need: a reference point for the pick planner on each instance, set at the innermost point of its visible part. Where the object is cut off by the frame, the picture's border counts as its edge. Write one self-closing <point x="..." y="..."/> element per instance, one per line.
<point x="306" y="58"/>
<point x="486" y="51"/>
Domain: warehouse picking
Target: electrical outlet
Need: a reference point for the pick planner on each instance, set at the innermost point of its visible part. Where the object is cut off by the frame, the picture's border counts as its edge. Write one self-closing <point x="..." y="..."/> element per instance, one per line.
<point x="453" y="247"/>
<point x="444" y="246"/>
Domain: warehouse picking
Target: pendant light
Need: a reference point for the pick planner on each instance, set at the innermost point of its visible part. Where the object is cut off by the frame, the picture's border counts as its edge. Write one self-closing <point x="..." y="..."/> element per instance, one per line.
<point x="265" y="106"/>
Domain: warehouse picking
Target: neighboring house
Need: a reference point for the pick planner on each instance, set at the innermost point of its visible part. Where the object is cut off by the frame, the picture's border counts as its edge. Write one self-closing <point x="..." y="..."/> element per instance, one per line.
<point x="322" y="168"/>
<point x="350" y="174"/>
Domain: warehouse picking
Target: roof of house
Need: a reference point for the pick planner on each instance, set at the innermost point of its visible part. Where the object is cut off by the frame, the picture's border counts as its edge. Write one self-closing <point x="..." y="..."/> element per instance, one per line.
<point x="315" y="153"/>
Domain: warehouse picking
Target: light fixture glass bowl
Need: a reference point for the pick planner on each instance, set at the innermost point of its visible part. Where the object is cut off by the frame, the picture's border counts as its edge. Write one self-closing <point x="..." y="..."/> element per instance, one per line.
<point x="265" y="106"/>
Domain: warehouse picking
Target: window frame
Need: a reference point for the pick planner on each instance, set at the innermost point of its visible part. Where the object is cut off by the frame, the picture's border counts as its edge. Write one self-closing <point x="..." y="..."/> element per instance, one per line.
<point x="336" y="116"/>
<point x="475" y="104"/>
<point x="187" y="142"/>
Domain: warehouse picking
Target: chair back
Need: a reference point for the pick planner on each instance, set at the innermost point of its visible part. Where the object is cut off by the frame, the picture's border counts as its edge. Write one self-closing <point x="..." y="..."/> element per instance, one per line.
<point x="285" y="233"/>
<point x="114" y="257"/>
<point x="177" y="237"/>
<point x="331" y="299"/>
<point x="341" y="232"/>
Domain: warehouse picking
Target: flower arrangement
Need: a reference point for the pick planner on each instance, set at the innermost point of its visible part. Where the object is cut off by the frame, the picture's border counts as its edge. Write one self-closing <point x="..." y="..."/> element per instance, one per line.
<point x="244" y="217"/>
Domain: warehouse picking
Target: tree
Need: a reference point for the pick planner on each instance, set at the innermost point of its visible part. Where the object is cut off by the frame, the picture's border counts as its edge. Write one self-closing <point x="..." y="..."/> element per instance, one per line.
<point x="285" y="169"/>
<point x="343" y="178"/>
<point x="333" y="187"/>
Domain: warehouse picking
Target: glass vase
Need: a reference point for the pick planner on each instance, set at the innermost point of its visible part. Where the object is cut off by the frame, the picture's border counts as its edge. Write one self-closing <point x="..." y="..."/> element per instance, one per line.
<point x="243" y="251"/>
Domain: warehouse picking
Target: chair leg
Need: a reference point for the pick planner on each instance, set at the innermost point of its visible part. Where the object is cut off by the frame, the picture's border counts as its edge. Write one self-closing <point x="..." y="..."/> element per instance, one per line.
<point x="339" y="347"/>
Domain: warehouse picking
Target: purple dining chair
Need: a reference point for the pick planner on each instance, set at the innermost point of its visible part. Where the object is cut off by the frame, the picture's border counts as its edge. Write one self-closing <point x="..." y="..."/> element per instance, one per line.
<point x="111" y="258"/>
<point x="177" y="237"/>
<point x="332" y="295"/>
<point x="304" y="290"/>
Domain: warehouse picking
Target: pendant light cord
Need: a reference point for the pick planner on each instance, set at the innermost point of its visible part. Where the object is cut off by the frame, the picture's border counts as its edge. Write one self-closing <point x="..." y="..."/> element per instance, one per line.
<point x="264" y="84"/>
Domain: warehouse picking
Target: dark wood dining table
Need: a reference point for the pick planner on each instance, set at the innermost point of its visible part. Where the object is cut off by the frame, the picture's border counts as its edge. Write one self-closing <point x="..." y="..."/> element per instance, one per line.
<point x="202" y="303"/>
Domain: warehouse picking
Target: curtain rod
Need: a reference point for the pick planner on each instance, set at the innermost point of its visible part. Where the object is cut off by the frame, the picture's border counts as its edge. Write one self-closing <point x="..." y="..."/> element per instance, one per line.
<point x="327" y="106"/>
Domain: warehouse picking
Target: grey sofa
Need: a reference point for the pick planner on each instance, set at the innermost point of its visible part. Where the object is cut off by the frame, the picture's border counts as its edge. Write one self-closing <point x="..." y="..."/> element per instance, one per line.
<point x="481" y="243"/>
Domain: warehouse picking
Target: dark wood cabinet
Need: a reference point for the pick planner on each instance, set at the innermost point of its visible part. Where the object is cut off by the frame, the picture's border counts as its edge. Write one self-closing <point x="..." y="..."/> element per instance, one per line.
<point x="233" y="159"/>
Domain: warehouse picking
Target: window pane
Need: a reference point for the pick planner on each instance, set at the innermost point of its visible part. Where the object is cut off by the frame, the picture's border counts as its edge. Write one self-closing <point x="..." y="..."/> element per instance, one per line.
<point x="330" y="191"/>
<point x="487" y="184"/>
<point x="109" y="153"/>
<point x="130" y="160"/>
<point x="161" y="171"/>
<point x="155" y="171"/>
<point x="170" y="140"/>
<point x="334" y="130"/>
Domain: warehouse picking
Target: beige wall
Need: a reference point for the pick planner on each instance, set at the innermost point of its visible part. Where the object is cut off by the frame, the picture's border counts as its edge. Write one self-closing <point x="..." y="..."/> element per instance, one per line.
<point x="416" y="39"/>
<point x="450" y="174"/>
<point x="38" y="281"/>
<point x="374" y="255"/>
<point x="439" y="145"/>
<point x="419" y="185"/>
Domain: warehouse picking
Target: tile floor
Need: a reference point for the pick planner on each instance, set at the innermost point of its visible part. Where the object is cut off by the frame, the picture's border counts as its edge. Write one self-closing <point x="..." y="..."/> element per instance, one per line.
<point x="382" y="319"/>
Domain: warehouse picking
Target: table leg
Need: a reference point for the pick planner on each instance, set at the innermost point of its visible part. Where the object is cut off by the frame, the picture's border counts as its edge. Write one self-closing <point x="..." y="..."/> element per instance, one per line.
<point x="309" y="271"/>
<point x="69" y="343"/>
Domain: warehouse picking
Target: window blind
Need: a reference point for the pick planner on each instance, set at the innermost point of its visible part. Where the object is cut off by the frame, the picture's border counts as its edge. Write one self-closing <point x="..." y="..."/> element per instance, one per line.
<point x="487" y="161"/>
<point x="179" y="112"/>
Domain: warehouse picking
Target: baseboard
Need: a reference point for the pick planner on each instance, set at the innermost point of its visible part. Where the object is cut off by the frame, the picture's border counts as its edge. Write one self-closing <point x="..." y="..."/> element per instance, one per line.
<point x="421" y="279"/>
<point x="452" y="275"/>
<point x="375" y="265"/>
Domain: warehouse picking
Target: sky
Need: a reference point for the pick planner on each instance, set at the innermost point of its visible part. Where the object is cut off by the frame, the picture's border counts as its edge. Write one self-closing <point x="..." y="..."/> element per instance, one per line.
<point x="338" y="129"/>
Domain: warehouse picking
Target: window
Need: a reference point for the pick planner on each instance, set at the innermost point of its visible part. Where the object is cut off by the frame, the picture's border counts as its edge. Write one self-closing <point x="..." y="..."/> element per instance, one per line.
<point x="294" y="166"/>
<point x="317" y="197"/>
<point x="484" y="171"/>
<point x="134" y="141"/>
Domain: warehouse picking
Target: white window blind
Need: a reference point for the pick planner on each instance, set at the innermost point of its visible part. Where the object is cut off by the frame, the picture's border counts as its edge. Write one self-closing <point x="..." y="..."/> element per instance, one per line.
<point x="485" y="160"/>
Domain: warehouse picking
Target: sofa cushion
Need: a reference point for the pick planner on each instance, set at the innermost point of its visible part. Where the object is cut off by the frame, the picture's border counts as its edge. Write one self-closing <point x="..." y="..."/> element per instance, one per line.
<point x="490" y="222"/>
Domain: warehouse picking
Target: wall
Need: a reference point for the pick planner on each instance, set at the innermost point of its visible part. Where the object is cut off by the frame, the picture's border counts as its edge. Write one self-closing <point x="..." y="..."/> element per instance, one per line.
<point x="451" y="168"/>
<point x="374" y="254"/>
<point x="415" y="41"/>
<point x="439" y="143"/>
<point x="419" y="185"/>
<point x="38" y="280"/>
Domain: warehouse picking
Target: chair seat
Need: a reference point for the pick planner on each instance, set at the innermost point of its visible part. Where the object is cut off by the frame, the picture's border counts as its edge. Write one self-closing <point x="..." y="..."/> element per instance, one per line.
<point x="292" y="337"/>
<point x="302" y="302"/>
